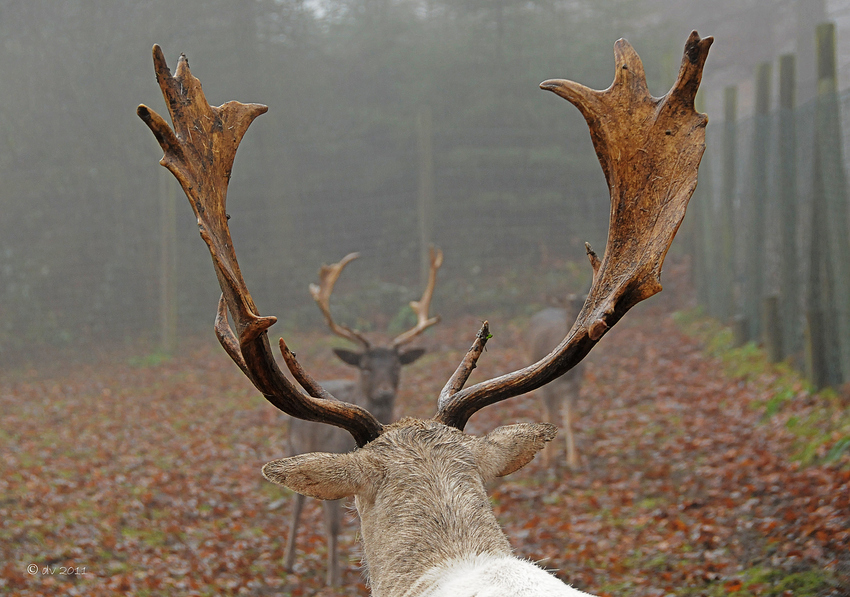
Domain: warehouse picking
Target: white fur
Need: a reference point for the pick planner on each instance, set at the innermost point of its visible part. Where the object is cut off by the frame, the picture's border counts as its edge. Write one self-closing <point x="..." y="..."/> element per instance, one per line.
<point x="490" y="576"/>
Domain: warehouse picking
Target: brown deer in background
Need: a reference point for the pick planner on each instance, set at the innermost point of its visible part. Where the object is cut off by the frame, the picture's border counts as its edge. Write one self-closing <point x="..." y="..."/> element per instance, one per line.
<point x="426" y="522"/>
<point x="379" y="369"/>
<point x="545" y="330"/>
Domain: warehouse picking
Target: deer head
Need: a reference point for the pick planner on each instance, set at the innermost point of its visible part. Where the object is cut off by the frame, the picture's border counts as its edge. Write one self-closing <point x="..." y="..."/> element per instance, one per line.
<point x="379" y="366"/>
<point x="649" y="149"/>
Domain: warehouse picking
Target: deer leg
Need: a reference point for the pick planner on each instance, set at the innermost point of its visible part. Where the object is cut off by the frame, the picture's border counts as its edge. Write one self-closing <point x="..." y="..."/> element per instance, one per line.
<point x="550" y="401"/>
<point x="569" y="438"/>
<point x="289" y="555"/>
<point x="333" y="524"/>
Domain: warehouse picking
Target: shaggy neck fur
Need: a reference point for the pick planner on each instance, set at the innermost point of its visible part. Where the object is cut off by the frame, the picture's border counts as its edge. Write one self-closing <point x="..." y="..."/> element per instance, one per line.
<point x="431" y="509"/>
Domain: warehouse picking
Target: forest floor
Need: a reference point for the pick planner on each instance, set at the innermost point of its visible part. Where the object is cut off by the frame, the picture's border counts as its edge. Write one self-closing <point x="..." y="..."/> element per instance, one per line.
<point x="704" y="471"/>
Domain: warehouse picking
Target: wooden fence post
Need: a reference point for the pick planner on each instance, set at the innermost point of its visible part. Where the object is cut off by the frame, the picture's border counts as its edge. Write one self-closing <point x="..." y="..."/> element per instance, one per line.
<point x="726" y="278"/>
<point x="771" y="328"/>
<point x="754" y="222"/>
<point x="786" y="185"/>
<point x="829" y="287"/>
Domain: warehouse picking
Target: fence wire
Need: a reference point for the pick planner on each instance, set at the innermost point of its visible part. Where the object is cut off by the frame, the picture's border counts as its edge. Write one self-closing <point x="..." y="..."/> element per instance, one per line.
<point x="782" y="175"/>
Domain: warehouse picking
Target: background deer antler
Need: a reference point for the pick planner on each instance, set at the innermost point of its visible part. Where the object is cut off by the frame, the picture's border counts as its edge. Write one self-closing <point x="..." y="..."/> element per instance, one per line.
<point x="329" y="274"/>
<point x="650" y="149"/>
<point x="200" y="152"/>
<point x="421" y="307"/>
<point x="321" y="293"/>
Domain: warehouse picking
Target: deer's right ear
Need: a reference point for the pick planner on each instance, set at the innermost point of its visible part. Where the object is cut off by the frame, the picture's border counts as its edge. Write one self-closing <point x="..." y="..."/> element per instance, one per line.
<point x="318" y="475"/>
<point x="509" y="448"/>
<point x="349" y="357"/>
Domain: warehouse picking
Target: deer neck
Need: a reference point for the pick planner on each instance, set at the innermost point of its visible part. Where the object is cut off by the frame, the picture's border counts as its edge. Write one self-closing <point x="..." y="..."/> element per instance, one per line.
<point x="432" y="509"/>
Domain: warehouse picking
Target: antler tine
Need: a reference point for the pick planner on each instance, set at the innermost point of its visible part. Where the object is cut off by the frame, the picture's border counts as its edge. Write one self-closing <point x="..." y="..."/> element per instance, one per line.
<point x="321" y="293"/>
<point x="464" y="370"/>
<point x="650" y="150"/>
<point x="199" y="151"/>
<point x="421" y="307"/>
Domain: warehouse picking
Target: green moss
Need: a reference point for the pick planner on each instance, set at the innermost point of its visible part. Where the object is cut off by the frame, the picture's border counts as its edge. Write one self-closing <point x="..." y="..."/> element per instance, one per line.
<point x="775" y="404"/>
<point x="658" y="562"/>
<point x="767" y="583"/>
<point x="649" y="503"/>
<point x="811" y="582"/>
<point x="273" y="492"/>
<point x="34" y="536"/>
<point x="157" y="513"/>
<point x="552" y="499"/>
<point x="838" y="449"/>
<point x="154" y="538"/>
<point x="617" y="588"/>
<point x="146" y="361"/>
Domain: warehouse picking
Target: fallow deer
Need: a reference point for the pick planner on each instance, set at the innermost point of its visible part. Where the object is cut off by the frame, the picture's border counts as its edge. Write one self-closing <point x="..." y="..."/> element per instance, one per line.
<point x="426" y="522"/>
<point x="379" y="368"/>
<point x="545" y="330"/>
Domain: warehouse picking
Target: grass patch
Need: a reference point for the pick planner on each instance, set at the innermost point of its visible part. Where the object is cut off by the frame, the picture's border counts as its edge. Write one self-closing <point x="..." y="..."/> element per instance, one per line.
<point x="146" y="361"/>
<point x="838" y="449"/>
<point x="822" y="427"/>
<point x="762" y="582"/>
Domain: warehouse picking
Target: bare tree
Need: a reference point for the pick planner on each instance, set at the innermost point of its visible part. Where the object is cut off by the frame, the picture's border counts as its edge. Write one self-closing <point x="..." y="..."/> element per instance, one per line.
<point x="426" y="523"/>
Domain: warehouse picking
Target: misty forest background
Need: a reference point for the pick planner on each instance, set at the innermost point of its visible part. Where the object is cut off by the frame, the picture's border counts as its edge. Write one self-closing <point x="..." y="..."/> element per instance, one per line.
<point x="356" y="90"/>
<point x="394" y="124"/>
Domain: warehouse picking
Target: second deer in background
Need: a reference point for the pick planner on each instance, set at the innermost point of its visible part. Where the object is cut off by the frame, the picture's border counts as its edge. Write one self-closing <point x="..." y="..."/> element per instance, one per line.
<point x="546" y="330"/>
<point x="376" y="387"/>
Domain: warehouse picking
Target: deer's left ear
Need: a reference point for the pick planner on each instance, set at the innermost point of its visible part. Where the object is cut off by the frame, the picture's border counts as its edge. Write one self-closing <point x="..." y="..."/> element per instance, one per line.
<point x="410" y="356"/>
<point x="318" y="475"/>
<point x="509" y="448"/>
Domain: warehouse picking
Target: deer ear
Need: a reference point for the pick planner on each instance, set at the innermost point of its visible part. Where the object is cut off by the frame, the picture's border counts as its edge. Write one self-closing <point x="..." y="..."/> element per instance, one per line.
<point x="410" y="356"/>
<point x="317" y="475"/>
<point x="349" y="357"/>
<point x="509" y="448"/>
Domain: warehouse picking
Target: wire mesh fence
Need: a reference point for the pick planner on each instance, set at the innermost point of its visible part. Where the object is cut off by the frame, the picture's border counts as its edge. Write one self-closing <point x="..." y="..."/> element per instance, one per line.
<point x="774" y="261"/>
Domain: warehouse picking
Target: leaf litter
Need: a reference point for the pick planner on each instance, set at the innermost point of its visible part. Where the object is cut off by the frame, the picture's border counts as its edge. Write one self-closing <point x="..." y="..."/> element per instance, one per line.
<point x="145" y="480"/>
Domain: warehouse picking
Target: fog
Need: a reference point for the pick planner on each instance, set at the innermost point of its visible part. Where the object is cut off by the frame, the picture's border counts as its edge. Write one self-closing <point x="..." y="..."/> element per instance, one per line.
<point x="392" y="124"/>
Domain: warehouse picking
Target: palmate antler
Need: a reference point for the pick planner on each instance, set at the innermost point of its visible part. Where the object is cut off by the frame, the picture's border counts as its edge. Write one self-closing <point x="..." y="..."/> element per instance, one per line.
<point x="650" y="149"/>
<point x="200" y="152"/>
